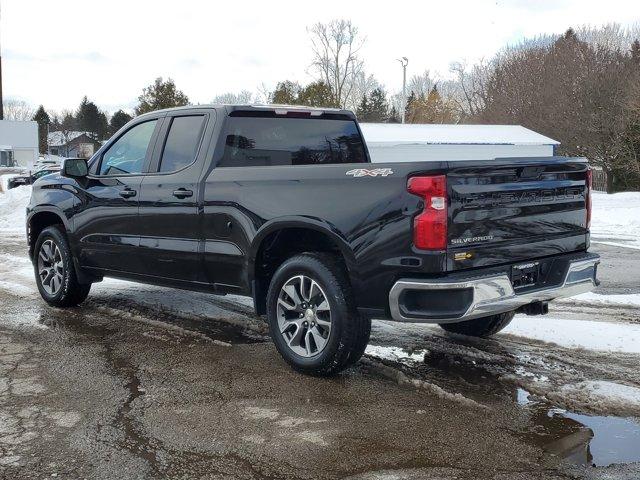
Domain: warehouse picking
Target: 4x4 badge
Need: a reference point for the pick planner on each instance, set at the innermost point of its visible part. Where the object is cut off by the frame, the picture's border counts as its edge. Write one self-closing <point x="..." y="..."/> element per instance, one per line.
<point x="376" y="172"/>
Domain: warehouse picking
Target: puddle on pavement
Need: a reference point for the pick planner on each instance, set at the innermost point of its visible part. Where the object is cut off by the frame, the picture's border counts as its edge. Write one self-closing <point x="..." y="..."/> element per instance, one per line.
<point x="576" y="438"/>
<point x="582" y="439"/>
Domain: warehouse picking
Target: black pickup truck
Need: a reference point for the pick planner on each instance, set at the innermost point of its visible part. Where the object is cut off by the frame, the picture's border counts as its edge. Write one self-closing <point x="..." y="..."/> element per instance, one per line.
<point x="282" y="204"/>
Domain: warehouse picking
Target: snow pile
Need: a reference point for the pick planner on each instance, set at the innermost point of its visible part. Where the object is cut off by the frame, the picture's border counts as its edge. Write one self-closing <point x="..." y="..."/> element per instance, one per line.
<point x="603" y="395"/>
<point x="4" y="181"/>
<point x="603" y="336"/>
<point x="624" y="300"/>
<point x="616" y="219"/>
<point x="13" y="204"/>
<point x="395" y="354"/>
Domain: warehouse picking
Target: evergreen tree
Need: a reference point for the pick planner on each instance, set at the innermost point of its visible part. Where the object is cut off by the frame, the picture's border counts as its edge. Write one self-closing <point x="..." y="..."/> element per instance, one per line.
<point x="162" y="94"/>
<point x="316" y="94"/>
<point x="410" y="108"/>
<point x="118" y="120"/>
<point x="378" y="106"/>
<point x="90" y="119"/>
<point x="103" y="126"/>
<point x="393" y="116"/>
<point x="42" y="117"/>
<point x="364" y="110"/>
<point x="286" y="93"/>
<point x="68" y="122"/>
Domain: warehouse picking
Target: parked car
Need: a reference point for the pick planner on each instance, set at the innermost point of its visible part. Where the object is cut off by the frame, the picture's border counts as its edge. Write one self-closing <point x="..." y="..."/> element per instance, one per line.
<point x="31" y="177"/>
<point x="283" y="205"/>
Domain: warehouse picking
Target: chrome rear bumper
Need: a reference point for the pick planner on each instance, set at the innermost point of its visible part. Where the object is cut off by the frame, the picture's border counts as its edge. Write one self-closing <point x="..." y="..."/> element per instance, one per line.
<point x="493" y="294"/>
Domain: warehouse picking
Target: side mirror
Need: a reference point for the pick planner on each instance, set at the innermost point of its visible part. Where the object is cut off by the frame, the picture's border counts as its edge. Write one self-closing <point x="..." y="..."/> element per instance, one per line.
<point x="75" y="167"/>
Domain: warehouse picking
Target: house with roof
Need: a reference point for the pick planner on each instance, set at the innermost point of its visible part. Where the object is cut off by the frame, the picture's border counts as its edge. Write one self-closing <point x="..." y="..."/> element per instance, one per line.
<point x="72" y="144"/>
<point x="389" y="142"/>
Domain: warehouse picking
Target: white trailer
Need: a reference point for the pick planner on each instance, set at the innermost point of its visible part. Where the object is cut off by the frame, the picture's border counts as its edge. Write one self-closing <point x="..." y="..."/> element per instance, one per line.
<point x="18" y="143"/>
<point x="393" y="142"/>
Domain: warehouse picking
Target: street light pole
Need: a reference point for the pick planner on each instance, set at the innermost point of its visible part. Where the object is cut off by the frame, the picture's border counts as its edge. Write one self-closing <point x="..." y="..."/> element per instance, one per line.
<point x="404" y="62"/>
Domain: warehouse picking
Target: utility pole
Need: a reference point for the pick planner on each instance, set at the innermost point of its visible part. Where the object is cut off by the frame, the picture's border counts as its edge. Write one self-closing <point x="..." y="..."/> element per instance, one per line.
<point x="404" y="62"/>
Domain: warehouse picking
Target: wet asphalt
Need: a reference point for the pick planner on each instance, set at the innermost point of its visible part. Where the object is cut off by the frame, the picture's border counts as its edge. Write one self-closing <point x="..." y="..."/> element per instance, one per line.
<point x="124" y="387"/>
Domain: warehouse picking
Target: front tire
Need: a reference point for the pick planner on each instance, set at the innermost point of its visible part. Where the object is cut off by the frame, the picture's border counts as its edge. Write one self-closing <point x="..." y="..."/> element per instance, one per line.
<point x="480" y="327"/>
<point x="312" y="317"/>
<point x="55" y="272"/>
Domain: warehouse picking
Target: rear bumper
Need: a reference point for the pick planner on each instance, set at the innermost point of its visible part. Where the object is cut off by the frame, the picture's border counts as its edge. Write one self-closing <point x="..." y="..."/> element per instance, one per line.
<point x="456" y="299"/>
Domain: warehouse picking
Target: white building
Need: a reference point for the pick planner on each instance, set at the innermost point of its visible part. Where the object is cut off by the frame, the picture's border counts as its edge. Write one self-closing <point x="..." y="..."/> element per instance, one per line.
<point x="393" y="142"/>
<point x="18" y="143"/>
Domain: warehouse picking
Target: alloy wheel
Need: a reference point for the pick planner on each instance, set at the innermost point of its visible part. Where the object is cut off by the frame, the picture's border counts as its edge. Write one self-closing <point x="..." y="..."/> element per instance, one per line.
<point x="50" y="267"/>
<point x="304" y="316"/>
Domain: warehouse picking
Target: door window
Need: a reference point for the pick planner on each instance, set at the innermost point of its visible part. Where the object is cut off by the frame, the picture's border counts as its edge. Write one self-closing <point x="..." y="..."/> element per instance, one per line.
<point x="182" y="143"/>
<point x="128" y="153"/>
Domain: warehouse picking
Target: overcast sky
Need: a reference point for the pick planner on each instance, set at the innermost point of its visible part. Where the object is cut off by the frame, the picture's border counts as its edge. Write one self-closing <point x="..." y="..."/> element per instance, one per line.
<point x="56" y="51"/>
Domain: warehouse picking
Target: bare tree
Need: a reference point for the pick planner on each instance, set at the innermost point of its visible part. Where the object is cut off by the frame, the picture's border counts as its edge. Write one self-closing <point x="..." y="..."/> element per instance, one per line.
<point x="335" y="57"/>
<point x="471" y="86"/>
<point x="231" y="98"/>
<point x="19" y="110"/>
<point x="611" y="36"/>
<point x="363" y="84"/>
<point x="421" y="84"/>
<point x="263" y="93"/>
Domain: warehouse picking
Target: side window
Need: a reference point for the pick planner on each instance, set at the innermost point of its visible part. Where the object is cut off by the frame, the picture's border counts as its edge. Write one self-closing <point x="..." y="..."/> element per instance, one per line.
<point x="127" y="154"/>
<point x="265" y="141"/>
<point x="182" y="143"/>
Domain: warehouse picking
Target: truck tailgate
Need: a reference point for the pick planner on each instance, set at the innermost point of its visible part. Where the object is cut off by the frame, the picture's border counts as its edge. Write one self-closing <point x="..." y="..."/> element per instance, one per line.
<point x="512" y="209"/>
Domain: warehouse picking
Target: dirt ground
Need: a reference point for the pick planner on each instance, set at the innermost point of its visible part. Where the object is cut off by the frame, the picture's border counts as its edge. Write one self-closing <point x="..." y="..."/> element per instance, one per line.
<point x="144" y="382"/>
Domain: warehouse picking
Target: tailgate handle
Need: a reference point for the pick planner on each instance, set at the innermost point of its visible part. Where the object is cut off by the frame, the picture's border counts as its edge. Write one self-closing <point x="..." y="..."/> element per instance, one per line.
<point x="530" y="172"/>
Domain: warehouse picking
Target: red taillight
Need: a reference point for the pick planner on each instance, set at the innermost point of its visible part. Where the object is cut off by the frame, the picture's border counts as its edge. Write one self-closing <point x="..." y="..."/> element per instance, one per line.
<point x="588" y="196"/>
<point x="430" y="227"/>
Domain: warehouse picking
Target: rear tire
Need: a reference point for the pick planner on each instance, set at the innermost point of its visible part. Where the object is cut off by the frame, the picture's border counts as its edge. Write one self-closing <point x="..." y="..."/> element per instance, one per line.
<point x="480" y="327"/>
<point x="312" y="317"/>
<point x="55" y="271"/>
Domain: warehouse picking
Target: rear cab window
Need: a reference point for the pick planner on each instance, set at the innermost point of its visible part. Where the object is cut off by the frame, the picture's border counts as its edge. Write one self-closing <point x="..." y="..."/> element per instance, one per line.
<point x="271" y="141"/>
<point x="182" y="143"/>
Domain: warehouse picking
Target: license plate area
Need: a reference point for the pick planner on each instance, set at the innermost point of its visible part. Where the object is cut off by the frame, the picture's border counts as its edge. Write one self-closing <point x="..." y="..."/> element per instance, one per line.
<point x="525" y="275"/>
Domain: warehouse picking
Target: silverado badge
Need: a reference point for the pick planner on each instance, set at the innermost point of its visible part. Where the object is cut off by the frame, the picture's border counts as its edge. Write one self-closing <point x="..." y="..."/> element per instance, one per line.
<point x="364" y="172"/>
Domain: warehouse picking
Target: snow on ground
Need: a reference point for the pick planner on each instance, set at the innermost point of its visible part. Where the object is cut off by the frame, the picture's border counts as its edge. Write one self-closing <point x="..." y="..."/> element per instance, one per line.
<point x="4" y="181"/>
<point x="12" y="209"/>
<point x="616" y="219"/>
<point x="601" y="391"/>
<point x="603" y="336"/>
<point x="629" y="300"/>
<point x="395" y="353"/>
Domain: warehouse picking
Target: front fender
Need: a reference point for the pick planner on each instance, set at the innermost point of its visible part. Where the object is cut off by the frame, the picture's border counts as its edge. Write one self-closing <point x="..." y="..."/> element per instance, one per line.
<point x="52" y="198"/>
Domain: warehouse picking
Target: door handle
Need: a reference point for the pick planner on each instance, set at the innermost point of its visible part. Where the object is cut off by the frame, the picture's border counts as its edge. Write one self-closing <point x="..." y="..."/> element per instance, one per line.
<point x="127" y="193"/>
<point x="182" y="193"/>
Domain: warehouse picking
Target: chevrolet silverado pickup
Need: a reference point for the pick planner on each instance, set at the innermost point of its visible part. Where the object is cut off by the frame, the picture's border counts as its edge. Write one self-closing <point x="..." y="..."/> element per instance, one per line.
<point x="283" y="204"/>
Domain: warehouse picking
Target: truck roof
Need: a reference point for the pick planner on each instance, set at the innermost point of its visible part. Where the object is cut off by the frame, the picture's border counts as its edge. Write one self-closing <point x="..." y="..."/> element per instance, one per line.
<point x="260" y="107"/>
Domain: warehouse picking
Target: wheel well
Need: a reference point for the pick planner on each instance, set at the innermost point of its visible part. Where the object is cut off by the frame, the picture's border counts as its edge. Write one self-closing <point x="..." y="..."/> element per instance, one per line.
<point x="37" y="224"/>
<point x="280" y="245"/>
